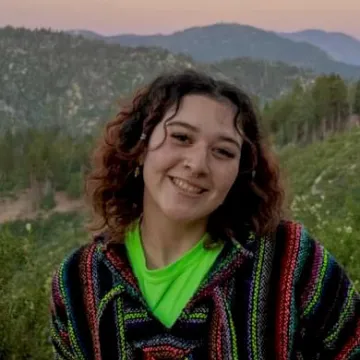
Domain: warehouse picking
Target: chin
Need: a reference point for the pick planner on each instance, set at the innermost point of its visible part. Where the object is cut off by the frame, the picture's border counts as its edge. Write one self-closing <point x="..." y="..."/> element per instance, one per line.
<point x="184" y="215"/>
<point x="180" y="216"/>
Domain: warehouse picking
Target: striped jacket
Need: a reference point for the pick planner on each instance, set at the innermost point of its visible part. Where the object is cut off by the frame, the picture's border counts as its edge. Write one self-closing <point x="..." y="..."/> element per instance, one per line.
<point x="280" y="297"/>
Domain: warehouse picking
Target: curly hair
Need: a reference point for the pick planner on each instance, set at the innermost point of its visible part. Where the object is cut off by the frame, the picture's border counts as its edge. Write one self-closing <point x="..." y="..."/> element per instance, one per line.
<point x="255" y="201"/>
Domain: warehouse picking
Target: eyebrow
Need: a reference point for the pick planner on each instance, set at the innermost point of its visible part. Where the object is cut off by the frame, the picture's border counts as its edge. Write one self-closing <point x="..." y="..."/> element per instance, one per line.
<point x="195" y="129"/>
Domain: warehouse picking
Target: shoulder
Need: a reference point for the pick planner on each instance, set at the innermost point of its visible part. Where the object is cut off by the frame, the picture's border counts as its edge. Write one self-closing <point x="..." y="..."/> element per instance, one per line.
<point x="327" y="302"/>
<point x="68" y="298"/>
<point x="316" y="275"/>
<point x="306" y="266"/>
<point x="292" y="232"/>
<point x="296" y="243"/>
<point x="72" y="269"/>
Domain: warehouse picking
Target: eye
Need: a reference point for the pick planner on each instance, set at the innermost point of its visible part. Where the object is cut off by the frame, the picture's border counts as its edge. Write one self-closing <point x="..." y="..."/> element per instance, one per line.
<point x="180" y="137"/>
<point x="225" y="153"/>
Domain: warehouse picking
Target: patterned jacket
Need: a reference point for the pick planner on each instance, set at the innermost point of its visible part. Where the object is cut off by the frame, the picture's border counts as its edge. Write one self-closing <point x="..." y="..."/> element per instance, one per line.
<point x="280" y="297"/>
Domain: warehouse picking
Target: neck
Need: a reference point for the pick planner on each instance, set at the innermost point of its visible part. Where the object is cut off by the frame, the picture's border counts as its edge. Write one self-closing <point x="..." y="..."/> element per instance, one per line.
<point x="165" y="240"/>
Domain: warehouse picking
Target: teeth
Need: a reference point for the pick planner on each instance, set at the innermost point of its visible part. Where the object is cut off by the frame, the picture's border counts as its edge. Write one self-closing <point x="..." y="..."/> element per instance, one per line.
<point x="185" y="186"/>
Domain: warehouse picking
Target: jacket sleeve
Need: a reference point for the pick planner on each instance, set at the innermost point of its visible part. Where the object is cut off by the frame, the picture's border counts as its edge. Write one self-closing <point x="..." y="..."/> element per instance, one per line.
<point x="60" y="332"/>
<point x="329" y="306"/>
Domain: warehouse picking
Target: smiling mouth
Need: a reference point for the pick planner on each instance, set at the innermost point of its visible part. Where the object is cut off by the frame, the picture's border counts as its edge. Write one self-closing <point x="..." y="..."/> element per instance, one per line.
<point x="186" y="187"/>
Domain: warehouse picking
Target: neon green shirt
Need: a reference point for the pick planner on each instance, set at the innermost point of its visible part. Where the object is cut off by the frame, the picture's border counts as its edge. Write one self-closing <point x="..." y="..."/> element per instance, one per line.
<point x="167" y="290"/>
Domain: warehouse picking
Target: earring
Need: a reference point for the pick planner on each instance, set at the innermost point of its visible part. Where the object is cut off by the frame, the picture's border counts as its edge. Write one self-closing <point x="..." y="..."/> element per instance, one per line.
<point x="137" y="171"/>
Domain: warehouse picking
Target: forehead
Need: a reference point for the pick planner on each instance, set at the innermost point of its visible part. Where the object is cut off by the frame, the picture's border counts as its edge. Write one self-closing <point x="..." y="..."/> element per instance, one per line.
<point x="205" y="112"/>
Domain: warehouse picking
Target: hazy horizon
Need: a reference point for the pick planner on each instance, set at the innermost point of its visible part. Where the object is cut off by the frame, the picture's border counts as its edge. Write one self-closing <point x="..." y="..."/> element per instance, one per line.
<point x="110" y="17"/>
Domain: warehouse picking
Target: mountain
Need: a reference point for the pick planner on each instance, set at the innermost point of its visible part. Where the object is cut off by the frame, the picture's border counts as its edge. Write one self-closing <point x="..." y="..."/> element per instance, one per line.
<point x="54" y="78"/>
<point x="86" y="33"/>
<point x="228" y="40"/>
<point x="264" y="78"/>
<point x="339" y="46"/>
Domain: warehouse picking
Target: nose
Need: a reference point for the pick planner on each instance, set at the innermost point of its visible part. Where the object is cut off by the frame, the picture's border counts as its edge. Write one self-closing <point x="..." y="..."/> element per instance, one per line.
<point x="197" y="161"/>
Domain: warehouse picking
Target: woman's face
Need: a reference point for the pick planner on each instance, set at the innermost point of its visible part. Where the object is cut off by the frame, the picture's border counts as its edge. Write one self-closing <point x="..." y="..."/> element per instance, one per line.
<point x="191" y="173"/>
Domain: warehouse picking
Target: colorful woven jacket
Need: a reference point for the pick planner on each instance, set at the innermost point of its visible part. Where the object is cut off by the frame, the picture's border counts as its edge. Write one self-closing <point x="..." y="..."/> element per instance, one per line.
<point x="280" y="297"/>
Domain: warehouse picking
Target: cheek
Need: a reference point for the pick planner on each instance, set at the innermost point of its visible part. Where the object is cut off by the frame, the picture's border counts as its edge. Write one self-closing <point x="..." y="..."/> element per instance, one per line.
<point x="152" y="166"/>
<point x="157" y="162"/>
<point x="157" y="149"/>
<point x="225" y="182"/>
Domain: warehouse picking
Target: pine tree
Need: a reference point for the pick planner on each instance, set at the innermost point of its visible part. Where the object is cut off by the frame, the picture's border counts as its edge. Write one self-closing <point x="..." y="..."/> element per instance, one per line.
<point x="356" y="104"/>
<point x="338" y="104"/>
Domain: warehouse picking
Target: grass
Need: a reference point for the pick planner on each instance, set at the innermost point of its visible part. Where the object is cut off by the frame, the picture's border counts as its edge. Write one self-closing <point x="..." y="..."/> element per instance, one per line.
<point x="325" y="182"/>
<point x="29" y="254"/>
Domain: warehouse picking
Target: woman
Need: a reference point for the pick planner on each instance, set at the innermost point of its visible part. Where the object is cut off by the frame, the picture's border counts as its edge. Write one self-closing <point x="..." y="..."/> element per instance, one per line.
<point x="194" y="259"/>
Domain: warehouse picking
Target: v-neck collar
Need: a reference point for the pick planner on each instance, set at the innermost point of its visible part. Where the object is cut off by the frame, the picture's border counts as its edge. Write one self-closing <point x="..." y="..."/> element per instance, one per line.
<point x="232" y="256"/>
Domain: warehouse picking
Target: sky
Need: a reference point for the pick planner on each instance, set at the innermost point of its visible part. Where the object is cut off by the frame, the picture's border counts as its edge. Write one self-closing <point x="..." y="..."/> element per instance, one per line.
<point x="165" y="16"/>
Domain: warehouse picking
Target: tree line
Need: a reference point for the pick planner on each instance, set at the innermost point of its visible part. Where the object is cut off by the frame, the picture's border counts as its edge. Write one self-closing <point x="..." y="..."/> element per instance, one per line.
<point x="45" y="161"/>
<point x="50" y="159"/>
<point x="313" y="112"/>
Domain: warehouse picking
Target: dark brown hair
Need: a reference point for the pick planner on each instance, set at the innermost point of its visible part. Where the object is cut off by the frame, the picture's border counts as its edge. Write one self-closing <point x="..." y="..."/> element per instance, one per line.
<point x="255" y="201"/>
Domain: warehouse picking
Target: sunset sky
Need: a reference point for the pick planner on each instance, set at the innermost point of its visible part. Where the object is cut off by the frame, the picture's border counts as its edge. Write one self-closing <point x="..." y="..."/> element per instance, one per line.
<point x="165" y="16"/>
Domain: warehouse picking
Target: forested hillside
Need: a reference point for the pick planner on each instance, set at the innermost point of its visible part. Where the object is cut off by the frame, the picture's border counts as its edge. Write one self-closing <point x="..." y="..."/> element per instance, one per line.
<point x="314" y="112"/>
<point x="51" y="159"/>
<point x="55" y="79"/>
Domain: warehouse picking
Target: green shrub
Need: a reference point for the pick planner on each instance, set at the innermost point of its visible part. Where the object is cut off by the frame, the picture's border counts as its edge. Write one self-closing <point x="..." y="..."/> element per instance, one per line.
<point x="74" y="187"/>
<point x="48" y="201"/>
<point x="29" y="254"/>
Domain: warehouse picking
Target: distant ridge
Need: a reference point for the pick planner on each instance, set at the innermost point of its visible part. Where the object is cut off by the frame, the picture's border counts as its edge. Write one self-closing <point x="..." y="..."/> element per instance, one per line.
<point x="340" y="46"/>
<point x="222" y="41"/>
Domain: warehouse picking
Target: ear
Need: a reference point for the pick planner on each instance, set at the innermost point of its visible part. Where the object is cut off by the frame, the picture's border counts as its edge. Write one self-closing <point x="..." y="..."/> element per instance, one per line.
<point x="141" y="159"/>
